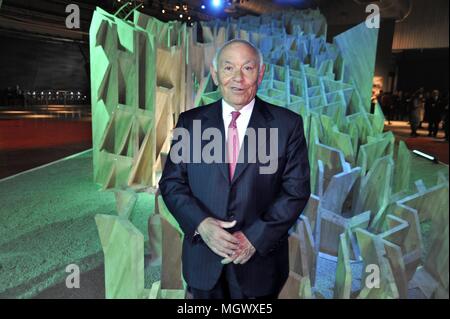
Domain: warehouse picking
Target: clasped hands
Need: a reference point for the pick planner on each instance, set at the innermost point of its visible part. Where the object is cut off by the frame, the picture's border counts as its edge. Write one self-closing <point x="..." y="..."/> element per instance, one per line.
<point x="234" y="247"/>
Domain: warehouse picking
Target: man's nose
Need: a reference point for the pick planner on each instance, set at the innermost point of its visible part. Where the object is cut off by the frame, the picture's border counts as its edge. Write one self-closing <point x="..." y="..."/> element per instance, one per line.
<point x="237" y="75"/>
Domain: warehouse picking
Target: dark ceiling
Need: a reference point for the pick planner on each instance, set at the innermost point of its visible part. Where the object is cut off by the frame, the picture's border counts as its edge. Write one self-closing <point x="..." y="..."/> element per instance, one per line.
<point x="47" y="17"/>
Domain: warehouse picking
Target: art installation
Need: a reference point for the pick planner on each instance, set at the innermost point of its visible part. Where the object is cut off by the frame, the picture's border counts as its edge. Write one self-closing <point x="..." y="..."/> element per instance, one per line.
<point x="380" y="237"/>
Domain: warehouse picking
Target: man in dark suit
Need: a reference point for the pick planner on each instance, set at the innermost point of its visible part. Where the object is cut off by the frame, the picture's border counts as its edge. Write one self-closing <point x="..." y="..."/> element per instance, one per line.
<point x="236" y="211"/>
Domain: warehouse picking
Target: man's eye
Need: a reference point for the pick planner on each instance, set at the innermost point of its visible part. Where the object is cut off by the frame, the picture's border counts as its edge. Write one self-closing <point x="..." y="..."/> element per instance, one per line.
<point x="248" y="68"/>
<point x="228" y="68"/>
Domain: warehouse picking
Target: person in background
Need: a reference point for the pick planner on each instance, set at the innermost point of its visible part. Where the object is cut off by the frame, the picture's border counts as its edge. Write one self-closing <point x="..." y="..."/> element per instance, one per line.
<point x="386" y="102"/>
<point x="445" y="116"/>
<point x="373" y="101"/>
<point x="379" y="98"/>
<point x="395" y="113"/>
<point x="408" y="106"/>
<point x="421" y="106"/>
<point x="414" y="119"/>
<point x="427" y="100"/>
<point x="435" y="110"/>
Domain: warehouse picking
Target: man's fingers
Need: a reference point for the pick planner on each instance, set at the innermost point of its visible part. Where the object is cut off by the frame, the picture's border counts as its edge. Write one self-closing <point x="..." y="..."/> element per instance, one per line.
<point x="224" y="251"/>
<point x="245" y="256"/>
<point x="223" y="235"/>
<point x="226" y="260"/>
<point x="229" y="245"/>
<point x="218" y="245"/>
<point x="242" y="259"/>
<point x="228" y="239"/>
<point x="221" y="245"/>
<point x="216" y="251"/>
<point x="227" y="224"/>
<point x="239" y="260"/>
<point x="223" y="242"/>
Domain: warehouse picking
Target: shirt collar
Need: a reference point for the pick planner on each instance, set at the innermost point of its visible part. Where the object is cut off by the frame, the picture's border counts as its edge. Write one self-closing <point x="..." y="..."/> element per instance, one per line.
<point x="246" y="110"/>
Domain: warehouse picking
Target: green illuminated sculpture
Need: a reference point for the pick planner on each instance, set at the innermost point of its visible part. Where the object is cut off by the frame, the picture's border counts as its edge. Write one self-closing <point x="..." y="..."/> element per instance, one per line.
<point x="362" y="211"/>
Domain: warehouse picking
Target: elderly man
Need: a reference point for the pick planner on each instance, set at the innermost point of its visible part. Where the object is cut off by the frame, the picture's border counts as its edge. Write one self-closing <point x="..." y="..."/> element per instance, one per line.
<point x="234" y="215"/>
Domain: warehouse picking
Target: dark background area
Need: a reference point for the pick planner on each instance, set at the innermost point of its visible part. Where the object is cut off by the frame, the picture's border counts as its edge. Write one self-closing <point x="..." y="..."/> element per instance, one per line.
<point x="40" y="53"/>
<point x="41" y="64"/>
<point x="428" y="68"/>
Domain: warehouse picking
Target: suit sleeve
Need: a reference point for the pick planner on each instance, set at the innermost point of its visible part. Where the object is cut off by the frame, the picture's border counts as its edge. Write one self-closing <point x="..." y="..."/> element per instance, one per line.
<point x="267" y="231"/>
<point x="176" y="193"/>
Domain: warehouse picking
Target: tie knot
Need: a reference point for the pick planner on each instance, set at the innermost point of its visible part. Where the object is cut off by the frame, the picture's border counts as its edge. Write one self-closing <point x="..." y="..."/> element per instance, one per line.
<point x="234" y="116"/>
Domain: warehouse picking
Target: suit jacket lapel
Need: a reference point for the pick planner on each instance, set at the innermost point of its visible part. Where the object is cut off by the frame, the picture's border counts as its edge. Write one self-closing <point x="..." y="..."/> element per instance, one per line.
<point x="213" y="118"/>
<point x="260" y="118"/>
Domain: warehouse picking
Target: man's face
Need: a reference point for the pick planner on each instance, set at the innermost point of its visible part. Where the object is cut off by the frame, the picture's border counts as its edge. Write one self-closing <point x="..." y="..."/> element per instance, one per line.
<point x="238" y="75"/>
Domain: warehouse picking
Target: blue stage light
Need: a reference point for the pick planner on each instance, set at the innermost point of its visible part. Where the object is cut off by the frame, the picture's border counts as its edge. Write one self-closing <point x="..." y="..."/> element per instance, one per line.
<point x="203" y="7"/>
<point x="216" y="3"/>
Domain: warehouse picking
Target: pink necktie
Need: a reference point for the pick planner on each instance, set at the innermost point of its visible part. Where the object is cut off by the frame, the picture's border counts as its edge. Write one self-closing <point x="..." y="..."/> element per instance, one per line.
<point x="233" y="143"/>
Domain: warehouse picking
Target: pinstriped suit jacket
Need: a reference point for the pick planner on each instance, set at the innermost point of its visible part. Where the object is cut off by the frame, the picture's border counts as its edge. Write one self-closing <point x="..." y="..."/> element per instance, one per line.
<point x="265" y="206"/>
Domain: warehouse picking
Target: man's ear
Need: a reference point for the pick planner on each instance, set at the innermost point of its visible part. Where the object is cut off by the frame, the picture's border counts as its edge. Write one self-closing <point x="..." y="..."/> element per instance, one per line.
<point x="213" y="74"/>
<point x="261" y="74"/>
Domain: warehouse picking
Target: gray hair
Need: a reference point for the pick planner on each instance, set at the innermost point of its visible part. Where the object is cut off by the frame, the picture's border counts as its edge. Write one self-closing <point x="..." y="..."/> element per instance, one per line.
<point x="219" y="51"/>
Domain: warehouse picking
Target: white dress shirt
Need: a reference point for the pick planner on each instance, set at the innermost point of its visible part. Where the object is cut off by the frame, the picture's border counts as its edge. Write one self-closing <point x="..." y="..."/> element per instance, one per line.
<point x="241" y="121"/>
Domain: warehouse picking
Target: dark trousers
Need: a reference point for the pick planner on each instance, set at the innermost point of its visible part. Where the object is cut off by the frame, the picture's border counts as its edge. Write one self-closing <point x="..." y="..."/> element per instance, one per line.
<point x="433" y="125"/>
<point x="227" y="287"/>
<point x="414" y="127"/>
